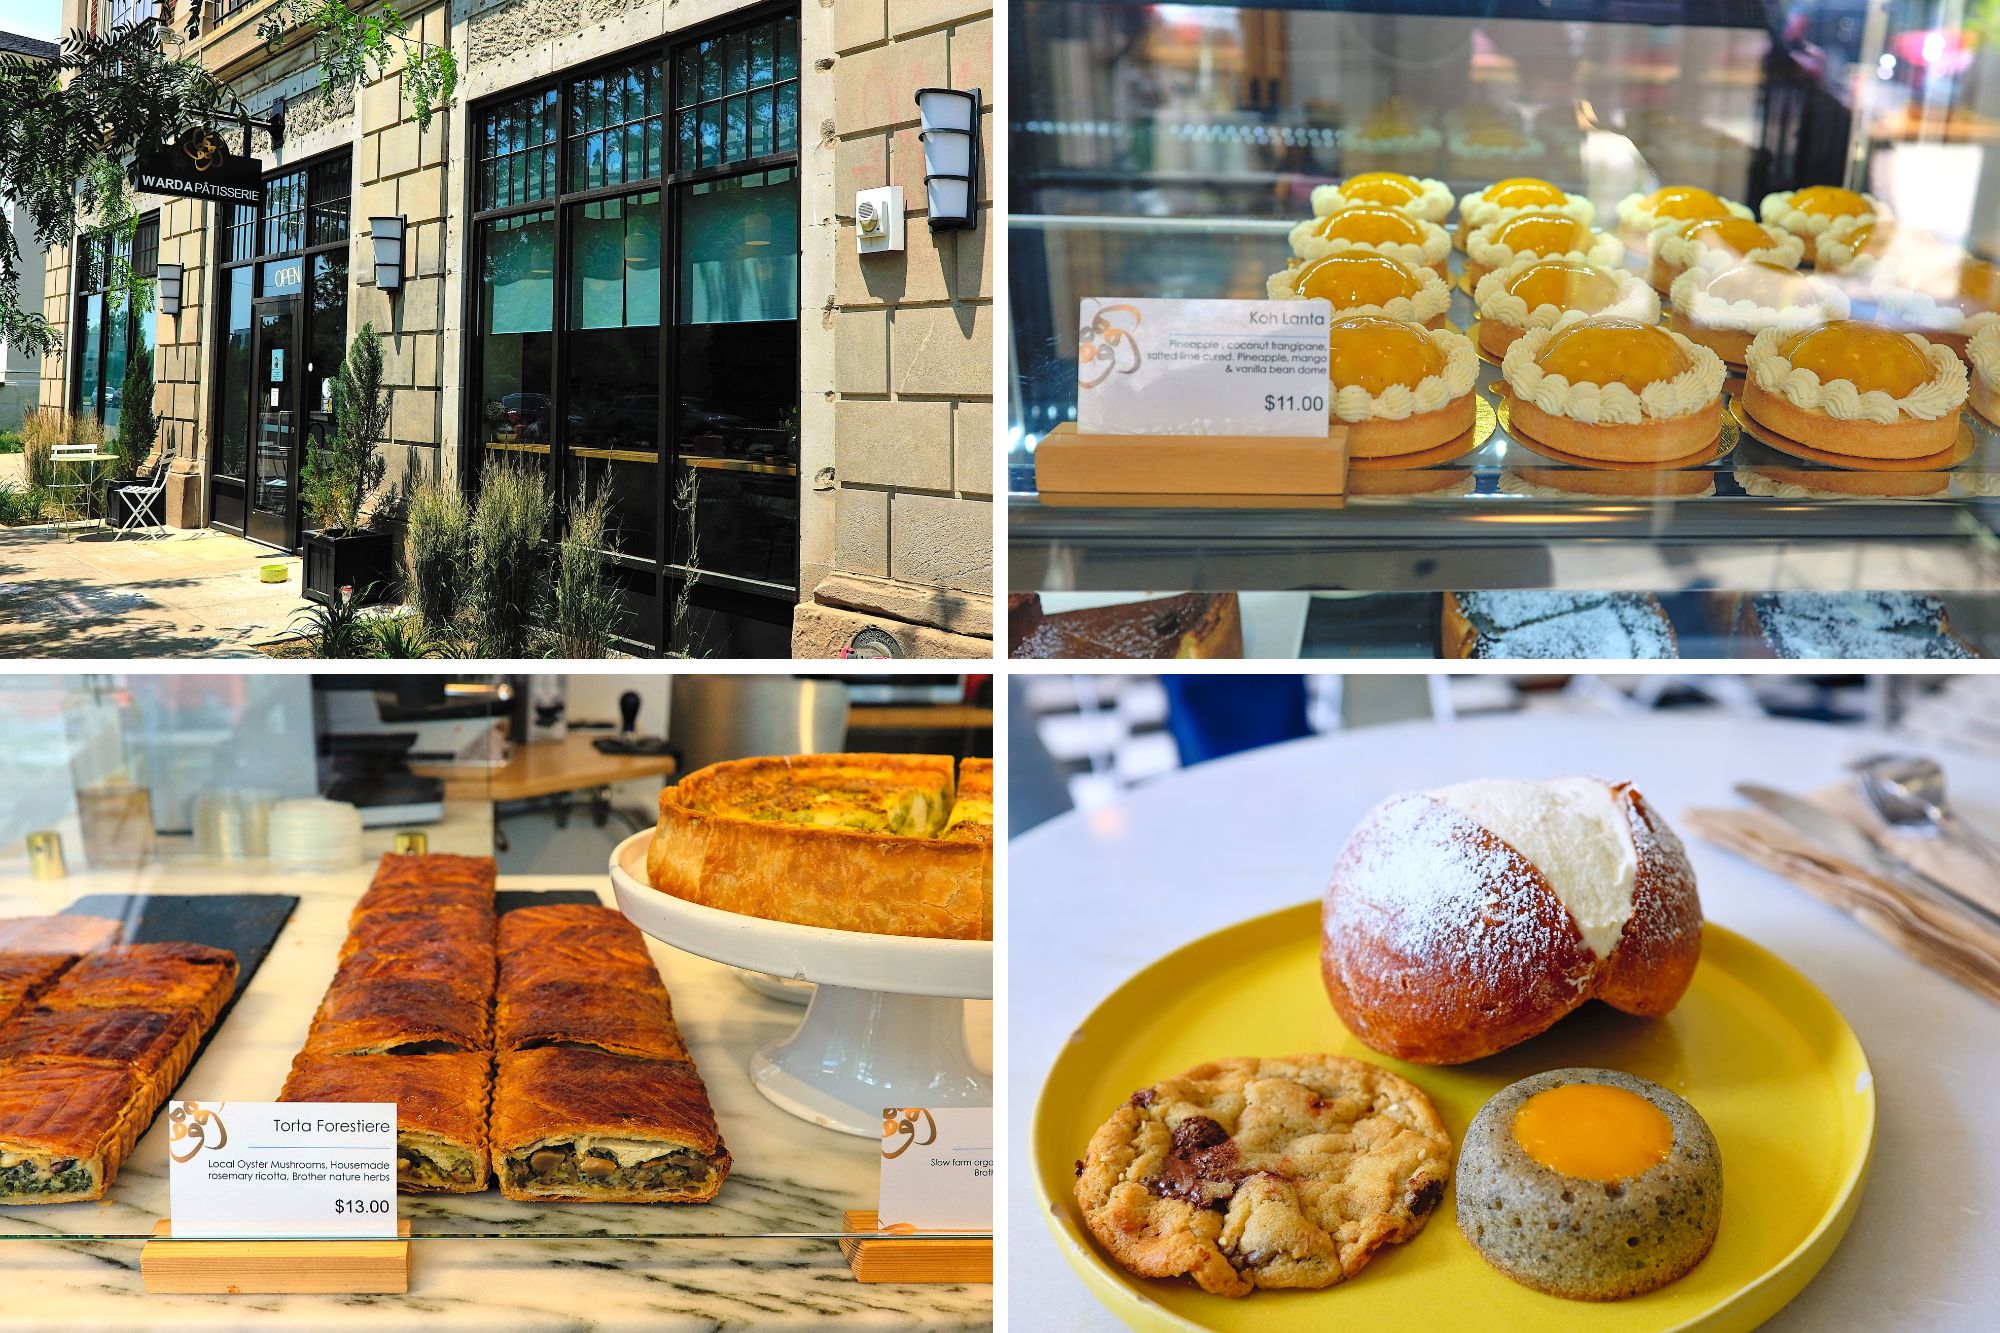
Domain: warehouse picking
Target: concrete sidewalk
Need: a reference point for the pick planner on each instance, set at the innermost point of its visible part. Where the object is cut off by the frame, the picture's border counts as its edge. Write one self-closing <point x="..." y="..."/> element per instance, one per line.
<point x="188" y="594"/>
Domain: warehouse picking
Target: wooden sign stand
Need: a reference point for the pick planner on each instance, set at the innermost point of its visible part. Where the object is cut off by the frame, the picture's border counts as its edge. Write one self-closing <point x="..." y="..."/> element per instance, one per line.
<point x="894" y="1259"/>
<point x="1140" y="465"/>
<point x="172" y="1267"/>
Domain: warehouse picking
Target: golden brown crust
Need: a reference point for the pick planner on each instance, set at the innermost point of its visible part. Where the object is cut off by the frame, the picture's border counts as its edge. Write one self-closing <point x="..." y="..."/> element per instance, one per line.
<point x="398" y="1017"/>
<point x="67" y="1109"/>
<point x="150" y="976"/>
<point x="436" y="870"/>
<point x="423" y="898"/>
<point x="1656" y="441"/>
<point x="837" y="878"/>
<point x="1496" y="337"/>
<point x="461" y="966"/>
<point x="439" y="1099"/>
<point x="572" y="941"/>
<point x="418" y="932"/>
<point x="1910" y="437"/>
<point x="69" y="933"/>
<point x="156" y="1045"/>
<point x="559" y="1093"/>
<point x="1382" y="438"/>
<point x="620" y="1019"/>
<point x="23" y="976"/>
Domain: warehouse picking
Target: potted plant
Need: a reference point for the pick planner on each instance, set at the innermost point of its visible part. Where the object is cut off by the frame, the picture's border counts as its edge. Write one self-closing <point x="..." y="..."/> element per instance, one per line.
<point x="340" y="476"/>
<point x="138" y="429"/>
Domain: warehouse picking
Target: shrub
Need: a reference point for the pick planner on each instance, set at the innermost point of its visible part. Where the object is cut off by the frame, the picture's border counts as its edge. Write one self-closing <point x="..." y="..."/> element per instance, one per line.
<point x="138" y="428"/>
<point x="583" y="608"/>
<point x="341" y="476"/>
<point x="397" y="637"/>
<point x="41" y="431"/>
<point x="336" y="629"/>
<point x="510" y="521"/>
<point x="10" y="441"/>
<point x="440" y="553"/>
<point x="22" y="504"/>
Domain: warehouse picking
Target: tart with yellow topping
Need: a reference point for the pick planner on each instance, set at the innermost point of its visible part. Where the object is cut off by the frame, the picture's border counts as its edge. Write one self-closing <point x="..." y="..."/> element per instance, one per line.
<point x="1856" y="388"/>
<point x="1535" y="293"/>
<point x="1491" y="147"/>
<point x="1428" y="199"/>
<point x="1398" y="387"/>
<point x="1948" y="299"/>
<point x="1516" y="195"/>
<point x="1375" y="229"/>
<point x="1984" y="354"/>
<point x="1809" y="212"/>
<point x="1395" y="133"/>
<point x="1725" y="309"/>
<point x="1713" y="243"/>
<point x="1538" y="236"/>
<point x="1639" y="215"/>
<point x="1853" y="245"/>
<point x="1361" y="282"/>
<point x="1615" y="390"/>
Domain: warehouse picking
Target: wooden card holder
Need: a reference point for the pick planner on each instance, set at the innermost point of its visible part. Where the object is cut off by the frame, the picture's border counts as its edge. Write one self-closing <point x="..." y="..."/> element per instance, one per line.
<point x="1122" y="467"/>
<point x="893" y="1259"/>
<point x="274" y="1267"/>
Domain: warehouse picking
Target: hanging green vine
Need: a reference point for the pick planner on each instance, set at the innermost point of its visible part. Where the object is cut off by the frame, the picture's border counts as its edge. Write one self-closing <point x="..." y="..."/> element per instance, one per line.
<point x="353" y="48"/>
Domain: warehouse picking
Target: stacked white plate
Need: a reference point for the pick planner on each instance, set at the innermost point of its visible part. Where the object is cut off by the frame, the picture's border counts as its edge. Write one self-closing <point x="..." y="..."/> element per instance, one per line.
<point x="315" y="835"/>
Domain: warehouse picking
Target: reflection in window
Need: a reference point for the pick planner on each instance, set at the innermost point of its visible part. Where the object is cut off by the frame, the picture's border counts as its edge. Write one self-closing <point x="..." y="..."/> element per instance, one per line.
<point x="517" y="328"/>
<point x="615" y="130"/>
<point x="737" y="95"/>
<point x="739" y="248"/>
<point x="236" y="389"/>
<point x="517" y="151"/>
<point x="613" y="392"/>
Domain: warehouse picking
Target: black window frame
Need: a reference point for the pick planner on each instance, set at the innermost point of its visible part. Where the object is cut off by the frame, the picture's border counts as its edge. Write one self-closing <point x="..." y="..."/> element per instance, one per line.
<point x="90" y="277"/>
<point x="661" y="568"/>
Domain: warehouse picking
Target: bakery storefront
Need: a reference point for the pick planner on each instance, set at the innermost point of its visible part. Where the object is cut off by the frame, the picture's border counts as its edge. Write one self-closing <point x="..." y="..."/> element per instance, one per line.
<point x="234" y="905"/>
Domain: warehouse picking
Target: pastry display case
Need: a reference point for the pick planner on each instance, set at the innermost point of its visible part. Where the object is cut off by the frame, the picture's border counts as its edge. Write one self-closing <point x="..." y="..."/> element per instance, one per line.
<point x="1198" y="151"/>
<point x="187" y="921"/>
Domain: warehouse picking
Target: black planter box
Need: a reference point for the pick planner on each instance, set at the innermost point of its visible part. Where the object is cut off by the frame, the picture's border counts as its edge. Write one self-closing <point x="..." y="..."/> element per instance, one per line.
<point x="364" y="561"/>
<point x="121" y="503"/>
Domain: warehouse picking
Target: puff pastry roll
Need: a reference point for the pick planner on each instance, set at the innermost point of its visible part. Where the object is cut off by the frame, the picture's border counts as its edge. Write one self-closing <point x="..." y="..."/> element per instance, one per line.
<point x="436" y="869"/>
<point x="423" y="899"/>
<point x="584" y="1125"/>
<point x="69" y="933"/>
<point x="440" y="1110"/>
<point x="149" y="976"/>
<point x="418" y="932"/>
<point x="157" y="1045"/>
<point x="572" y="940"/>
<point x="64" y="1129"/>
<point x="23" y="976"/>
<point x="623" y="1020"/>
<point x="398" y="1018"/>
<point x="460" y="966"/>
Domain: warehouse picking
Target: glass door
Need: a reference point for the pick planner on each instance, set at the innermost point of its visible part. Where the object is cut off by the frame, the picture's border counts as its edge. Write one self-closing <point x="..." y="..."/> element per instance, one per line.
<point x="274" y="450"/>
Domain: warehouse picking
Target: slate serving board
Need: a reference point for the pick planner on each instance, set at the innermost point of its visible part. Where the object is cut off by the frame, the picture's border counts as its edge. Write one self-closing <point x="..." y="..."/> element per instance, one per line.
<point x="507" y="900"/>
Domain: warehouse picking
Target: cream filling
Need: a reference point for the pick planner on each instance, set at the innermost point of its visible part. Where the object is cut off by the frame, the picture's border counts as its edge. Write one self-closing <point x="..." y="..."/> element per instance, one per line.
<point x="1778" y="211"/>
<point x="627" y="1153"/>
<point x="1463" y="146"/>
<point x="1844" y="401"/>
<point x="1697" y="387"/>
<point x="1684" y="252"/>
<point x="1573" y="831"/>
<point x="1433" y="204"/>
<point x="1478" y="211"/>
<point x="1832" y="251"/>
<point x="1309" y="245"/>
<point x="1432" y="299"/>
<point x="1399" y="402"/>
<point x="1906" y="305"/>
<point x="1633" y="215"/>
<point x="1636" y="300"/>
<point x="1606" y="250"/>
<point x="1425" y="137"/>
<point x="1691" y="298"/>
<point x="1984" y="352"/>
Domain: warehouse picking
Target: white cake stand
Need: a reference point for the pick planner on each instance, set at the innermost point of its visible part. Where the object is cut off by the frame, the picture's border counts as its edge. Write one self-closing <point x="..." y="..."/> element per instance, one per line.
<point x="886" y="1026"/>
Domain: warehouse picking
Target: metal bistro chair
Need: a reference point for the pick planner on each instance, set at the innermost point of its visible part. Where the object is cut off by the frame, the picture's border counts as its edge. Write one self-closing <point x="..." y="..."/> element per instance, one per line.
<point x="77" y="463"/>
<point x="140" y="497"/>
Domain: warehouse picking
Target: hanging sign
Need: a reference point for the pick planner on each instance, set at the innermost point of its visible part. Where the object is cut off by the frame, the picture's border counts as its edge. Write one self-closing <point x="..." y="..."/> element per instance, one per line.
<point x="199" y="165"/>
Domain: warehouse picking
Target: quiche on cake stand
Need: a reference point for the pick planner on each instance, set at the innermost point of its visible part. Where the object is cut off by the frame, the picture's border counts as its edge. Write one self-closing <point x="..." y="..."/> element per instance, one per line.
<point x="869" y="875"/>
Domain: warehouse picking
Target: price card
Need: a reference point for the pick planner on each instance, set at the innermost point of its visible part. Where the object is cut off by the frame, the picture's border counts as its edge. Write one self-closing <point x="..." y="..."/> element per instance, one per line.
<point x="937" y="1169"/>
<point x="281" y="1169"/>
<point x="1160" y="367"/>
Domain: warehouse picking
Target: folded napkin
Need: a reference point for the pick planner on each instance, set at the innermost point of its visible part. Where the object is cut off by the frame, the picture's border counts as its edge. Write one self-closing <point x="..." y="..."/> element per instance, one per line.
<point x="1942" y="935"/>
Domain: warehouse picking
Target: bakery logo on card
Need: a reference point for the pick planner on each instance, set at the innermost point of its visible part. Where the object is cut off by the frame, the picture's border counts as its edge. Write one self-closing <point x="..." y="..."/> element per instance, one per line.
<point x="197" y="1127"/>
<point x="1106" y="346"/>
<point x="912" y="1127"/>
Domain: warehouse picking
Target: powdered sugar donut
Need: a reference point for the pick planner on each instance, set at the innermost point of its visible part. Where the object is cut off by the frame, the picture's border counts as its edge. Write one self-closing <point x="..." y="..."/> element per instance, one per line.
<point x="1463" y="920"/>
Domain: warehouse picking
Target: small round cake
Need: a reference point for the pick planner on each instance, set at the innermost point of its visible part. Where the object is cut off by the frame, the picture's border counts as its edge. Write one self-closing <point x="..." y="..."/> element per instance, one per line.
<point x="1590" y="1184"/>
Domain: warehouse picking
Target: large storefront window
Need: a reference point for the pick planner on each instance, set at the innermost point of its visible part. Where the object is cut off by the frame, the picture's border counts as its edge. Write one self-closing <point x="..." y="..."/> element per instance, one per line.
<point x="281" y="338"/>
<point x="636" y="251"/>
<point x="114" y="316"/>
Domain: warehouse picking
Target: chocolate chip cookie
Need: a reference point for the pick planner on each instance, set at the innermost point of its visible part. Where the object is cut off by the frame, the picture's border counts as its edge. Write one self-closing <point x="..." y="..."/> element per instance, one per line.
<point x="1264" y="1173"/>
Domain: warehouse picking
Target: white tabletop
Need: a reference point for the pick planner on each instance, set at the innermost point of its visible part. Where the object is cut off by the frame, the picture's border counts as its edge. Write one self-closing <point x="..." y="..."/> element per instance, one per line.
<point x="1096" y="896"/>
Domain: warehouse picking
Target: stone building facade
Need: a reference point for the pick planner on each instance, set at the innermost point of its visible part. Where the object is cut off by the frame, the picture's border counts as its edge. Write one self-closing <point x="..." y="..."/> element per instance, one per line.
<point x="852" y="516"/>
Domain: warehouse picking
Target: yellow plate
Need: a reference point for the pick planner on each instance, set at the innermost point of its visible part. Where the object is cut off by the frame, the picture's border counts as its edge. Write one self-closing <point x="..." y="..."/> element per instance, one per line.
<point x="1766" y="1059"/>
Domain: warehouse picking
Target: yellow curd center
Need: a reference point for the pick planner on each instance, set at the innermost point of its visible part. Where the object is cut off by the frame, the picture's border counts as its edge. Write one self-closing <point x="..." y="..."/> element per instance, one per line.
<point x="1370" y="224"/>
<point x="1591" y="1132"/>
<point x="1353" y="278"/>
<point x="1613" y="351"/>
<point x="1522" y="192"/>
<point x="1391" y="193"/>
<point x="1566" y="284"/>
<point x="1543" y="234"/>
<point x="1828" y="201"/>
<point x="1685" y="201"/>
<point x="1374" y="353"/>
<point x="1739" y="236"/>
<point x="1870" y="355"/>
<point x="1371" y="178"/>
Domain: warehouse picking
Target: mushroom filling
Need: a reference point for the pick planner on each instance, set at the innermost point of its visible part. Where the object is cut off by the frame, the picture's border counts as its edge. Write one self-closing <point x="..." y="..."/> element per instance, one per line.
<point x="623" y="1166"/>
<point x="416" y="1169"/>
<point x="21" y="1176"/>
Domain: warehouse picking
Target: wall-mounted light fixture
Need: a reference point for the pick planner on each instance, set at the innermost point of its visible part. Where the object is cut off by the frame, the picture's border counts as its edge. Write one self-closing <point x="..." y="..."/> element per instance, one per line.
<point x="387" y="235"/>
<point x="170" y="277"/>
<point x="951" y="155"/>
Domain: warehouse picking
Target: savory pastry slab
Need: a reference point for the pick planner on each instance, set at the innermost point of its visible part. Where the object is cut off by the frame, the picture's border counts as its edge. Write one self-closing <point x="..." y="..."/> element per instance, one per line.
<point x="65" y="1129"/>
<point x="436" y="870"/>
<point x="194" y="977"/>
<point x="622" y="1020"/>
<point x="418" y="932"/>
<point x="23" y="976"/>
<point x="157" y="1045"/>
<point x="398" y="1018"/>
<point x="459" y="965"/>
<point x="441" y="1145"/>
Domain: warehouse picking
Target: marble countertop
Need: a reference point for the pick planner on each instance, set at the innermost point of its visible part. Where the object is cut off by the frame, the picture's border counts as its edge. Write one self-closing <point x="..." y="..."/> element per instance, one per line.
<point x="1096" y="896"/>
<point x="543" y="1272"/>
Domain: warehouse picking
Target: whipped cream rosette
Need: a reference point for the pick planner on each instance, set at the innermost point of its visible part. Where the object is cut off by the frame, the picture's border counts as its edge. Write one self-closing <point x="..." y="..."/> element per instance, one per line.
<point x="1906" y="403"/>
<point x="1411" y="402"/>
<point x="1540" y="236"/>
<point x="1678" y="248"/>
<point x="1418" y="243"/>
<point x="1848" y="246"/>
<point x="1432" y="200"/>
<point x="1491" y="204"/>
<point x="1813" y="210"/>
<point x="1984" y="353"/>
<point x="1428" y="302"/>
<point x="1497" y="147"/>
<point x="1613" y="404"/>
<point x="1639" y="215"/>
